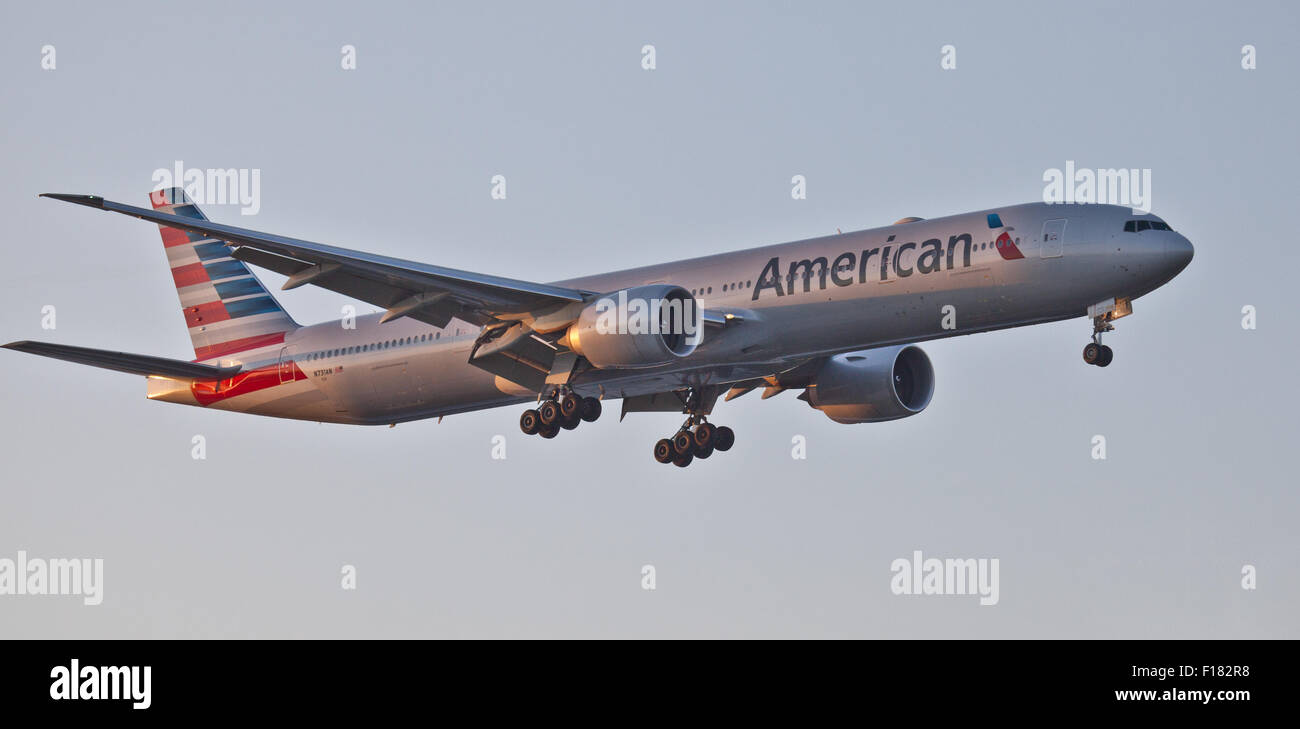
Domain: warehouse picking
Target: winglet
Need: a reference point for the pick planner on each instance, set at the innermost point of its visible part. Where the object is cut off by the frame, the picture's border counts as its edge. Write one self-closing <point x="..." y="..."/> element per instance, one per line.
<point x="90" y="201"/>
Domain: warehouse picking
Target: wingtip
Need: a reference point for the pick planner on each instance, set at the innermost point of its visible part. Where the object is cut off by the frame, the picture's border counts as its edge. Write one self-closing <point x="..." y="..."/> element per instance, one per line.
<point x="93" y="201"/>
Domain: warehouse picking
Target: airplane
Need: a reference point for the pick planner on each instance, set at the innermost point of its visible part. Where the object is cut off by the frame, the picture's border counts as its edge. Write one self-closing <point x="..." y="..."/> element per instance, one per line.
<point x="837" y="317"/>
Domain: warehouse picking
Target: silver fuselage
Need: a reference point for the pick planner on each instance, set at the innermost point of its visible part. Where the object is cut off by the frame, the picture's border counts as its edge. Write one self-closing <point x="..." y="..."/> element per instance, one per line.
<point x="897" y="296"/>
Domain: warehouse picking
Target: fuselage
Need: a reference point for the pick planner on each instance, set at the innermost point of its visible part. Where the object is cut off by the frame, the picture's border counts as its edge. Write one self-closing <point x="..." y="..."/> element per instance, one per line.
<point x="904" y="283"/>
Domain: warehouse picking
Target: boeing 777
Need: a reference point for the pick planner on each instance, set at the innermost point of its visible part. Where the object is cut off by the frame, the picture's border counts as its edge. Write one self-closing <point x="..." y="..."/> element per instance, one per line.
<point x="837" y="317"/>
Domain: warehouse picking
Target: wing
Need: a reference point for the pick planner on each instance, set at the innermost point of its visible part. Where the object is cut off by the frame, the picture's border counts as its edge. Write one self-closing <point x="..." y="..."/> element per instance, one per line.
<point x="432" y="294"/>
<point x="135" y="364"/>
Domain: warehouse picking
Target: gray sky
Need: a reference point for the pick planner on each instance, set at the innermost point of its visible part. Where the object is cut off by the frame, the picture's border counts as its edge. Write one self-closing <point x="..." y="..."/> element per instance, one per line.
<point x="610" y="166"/>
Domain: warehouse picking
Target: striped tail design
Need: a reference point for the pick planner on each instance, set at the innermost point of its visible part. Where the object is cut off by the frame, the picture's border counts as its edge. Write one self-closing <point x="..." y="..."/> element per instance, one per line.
<point x="226" y="308"/>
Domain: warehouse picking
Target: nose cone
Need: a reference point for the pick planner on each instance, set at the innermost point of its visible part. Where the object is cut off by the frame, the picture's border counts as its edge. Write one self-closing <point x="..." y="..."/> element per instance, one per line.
<point x="1178" y="253"/>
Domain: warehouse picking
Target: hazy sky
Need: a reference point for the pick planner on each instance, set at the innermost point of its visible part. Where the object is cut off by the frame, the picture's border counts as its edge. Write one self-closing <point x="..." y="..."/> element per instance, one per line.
<point x="609" y="166"/>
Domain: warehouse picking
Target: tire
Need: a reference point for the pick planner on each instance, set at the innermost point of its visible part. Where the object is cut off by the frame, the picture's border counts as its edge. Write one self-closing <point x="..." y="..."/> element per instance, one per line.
<point x="664" y="452"/>
<point x="724" y="439"/>
<point x="683" y="442"/>
<point x="530" y="422"/>
<point x="549" y="412"/>
<point x="703" y="451"/>
<point x="570" y="423"/>
<point x="571" y="405"/>
<point x="704" y="435"/>
<point x="590" y="409"/>
<point x="683" y="460"/>
<point x="1107" y="354"/>
<point x="1092" y="353"/>
<point x="549" y="431"/>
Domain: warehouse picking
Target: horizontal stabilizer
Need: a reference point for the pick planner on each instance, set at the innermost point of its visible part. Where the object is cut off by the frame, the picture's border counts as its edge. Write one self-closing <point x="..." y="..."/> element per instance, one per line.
<point x="135" y="364"/>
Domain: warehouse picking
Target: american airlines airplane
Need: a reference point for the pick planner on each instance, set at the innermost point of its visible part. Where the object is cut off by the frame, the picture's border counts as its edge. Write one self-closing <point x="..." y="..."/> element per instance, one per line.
<point x="837" y="317"/>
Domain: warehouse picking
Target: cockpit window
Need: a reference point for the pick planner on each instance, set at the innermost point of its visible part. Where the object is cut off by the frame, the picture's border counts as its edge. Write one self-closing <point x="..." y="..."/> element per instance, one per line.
<point x="1137" y="226"/>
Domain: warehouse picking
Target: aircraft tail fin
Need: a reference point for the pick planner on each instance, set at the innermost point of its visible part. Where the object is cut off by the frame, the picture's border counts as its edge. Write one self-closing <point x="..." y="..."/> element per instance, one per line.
<point x="226" y="307"/>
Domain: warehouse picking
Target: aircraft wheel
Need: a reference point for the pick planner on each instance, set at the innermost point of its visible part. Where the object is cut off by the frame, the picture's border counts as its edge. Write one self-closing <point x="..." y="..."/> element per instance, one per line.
<point x="529" y="422"/>
<point x="703" y="451"/>
<point x="664" y="452"/>
<point x="1092" y="353"/>
<point x="1107" y="354"/>
<point x="549" y="431"/>
<point x="724" y="438"/>
<point x="683" y="460"/>
<point x="704" y="435"/>
<point x="549" y="412"/>
<point x="683" y="442"/>
<point x="590" y="409"/>
<point x="570" y="423"/>
<point x="571" y="405"/>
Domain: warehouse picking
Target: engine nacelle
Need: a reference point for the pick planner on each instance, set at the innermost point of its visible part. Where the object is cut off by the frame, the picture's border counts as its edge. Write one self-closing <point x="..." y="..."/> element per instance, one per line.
<point x="873" y="385"/>
<point x="644" y="326"/>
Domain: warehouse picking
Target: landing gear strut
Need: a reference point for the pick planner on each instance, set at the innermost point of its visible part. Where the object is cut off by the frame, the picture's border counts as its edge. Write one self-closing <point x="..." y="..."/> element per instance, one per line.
<point x="1097" y="353"/>
<point x="560" y="411"/>
<point x="697" y="438"/>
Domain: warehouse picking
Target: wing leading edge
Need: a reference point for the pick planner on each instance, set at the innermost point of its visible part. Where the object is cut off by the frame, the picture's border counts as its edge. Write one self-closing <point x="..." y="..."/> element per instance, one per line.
<point x="425" y="292"/>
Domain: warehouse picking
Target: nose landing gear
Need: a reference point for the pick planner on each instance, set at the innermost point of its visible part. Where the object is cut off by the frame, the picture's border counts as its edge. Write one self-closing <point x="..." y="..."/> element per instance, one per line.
<point x="1097" y="353"/>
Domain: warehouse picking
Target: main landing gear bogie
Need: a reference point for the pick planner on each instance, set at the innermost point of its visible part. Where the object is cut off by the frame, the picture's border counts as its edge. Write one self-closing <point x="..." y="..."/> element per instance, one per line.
<point x="559" y="412"/>
<point x="695" y="439"/>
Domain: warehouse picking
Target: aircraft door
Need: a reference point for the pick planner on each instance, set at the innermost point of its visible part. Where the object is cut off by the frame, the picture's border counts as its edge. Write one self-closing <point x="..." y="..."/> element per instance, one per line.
<point x="286" y="365"/>
<point x="1051" y="245"/>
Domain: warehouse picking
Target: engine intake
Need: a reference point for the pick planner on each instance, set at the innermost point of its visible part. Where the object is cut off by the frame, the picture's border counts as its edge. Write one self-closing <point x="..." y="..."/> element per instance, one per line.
<point x="643" y="326"/>
<point x="873" y="385"/>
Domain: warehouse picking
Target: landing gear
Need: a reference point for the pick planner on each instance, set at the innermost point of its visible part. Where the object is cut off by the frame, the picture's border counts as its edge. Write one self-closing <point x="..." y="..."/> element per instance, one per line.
<point x="559" y="412"/>
<point x="697" y="438"/>
<point x="1096" y="353"/>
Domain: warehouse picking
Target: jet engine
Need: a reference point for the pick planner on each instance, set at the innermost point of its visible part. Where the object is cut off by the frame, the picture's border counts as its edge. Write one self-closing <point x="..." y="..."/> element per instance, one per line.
<point x="642" y="326"/>
<point x="873" y="385"/>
